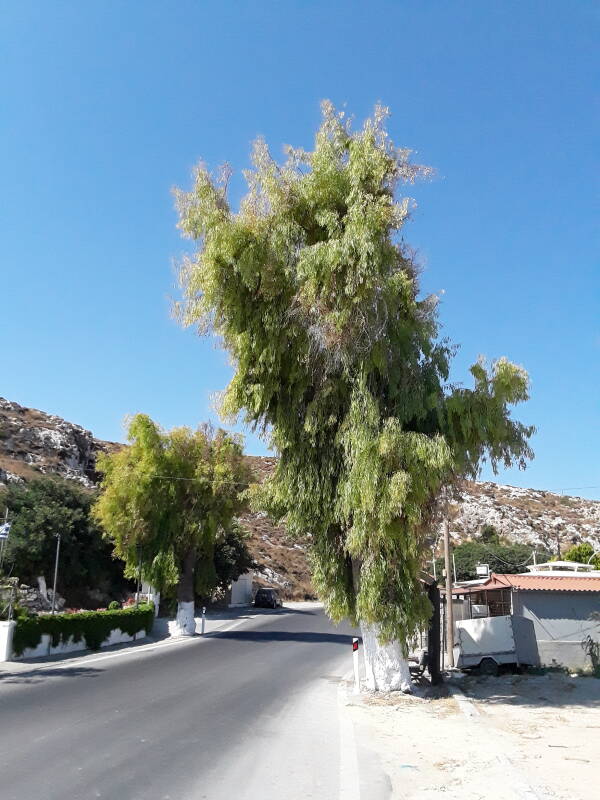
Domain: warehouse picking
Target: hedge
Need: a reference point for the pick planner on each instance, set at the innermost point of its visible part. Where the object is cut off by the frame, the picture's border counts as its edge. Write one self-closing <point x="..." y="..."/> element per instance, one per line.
<point x="92" y="626"/>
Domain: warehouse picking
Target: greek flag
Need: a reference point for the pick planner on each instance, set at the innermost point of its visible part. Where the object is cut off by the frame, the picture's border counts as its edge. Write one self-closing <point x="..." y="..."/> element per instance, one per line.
<point x="4" y="530"/>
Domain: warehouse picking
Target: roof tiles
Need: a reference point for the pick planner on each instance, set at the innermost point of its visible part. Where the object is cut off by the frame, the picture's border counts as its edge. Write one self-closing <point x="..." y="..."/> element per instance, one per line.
<point x="542" y="583"/>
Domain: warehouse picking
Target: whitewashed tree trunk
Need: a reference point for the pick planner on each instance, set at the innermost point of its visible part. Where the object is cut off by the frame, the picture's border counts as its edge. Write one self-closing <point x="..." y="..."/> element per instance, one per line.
<point x="42" y="587"/>
<point x="386" y="669"/>
<point x="185" y="624"/>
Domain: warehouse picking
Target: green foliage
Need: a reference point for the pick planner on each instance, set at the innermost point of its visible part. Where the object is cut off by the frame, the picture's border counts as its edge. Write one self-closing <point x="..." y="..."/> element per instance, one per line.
<point x="232" y="557"/>
<point x="592" y="650"/>
<point x="18" y="612"/>
<point x="40" y="510"/>
<point x="94" y="627"/>
<point x="583" y="553"/>
<point x="168" y="498"/>
<point x="502" y="558"/>
<point x="313" y="292"/>
<point x="114" y="605"/>
<point x="489" y="534"/>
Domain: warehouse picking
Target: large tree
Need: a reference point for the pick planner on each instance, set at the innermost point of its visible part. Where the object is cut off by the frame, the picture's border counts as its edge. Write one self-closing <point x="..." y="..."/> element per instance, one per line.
<point x="40" y="511"/>
<point x="315" y="295"/>
<point x="166" y="501"/>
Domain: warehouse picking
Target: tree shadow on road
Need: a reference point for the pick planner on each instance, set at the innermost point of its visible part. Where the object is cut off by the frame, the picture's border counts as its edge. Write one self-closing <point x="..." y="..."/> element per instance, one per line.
<point x="313" y="612"/>
<point x="32" y="676"/>
<point x="309" y="637"/>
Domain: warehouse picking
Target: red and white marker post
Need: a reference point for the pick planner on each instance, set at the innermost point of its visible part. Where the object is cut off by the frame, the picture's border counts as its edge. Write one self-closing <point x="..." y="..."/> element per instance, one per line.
<point x="355" y="660"/>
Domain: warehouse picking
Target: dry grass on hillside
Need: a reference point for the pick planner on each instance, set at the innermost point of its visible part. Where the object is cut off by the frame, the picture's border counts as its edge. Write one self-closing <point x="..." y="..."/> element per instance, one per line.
<point x="282" y="560"/>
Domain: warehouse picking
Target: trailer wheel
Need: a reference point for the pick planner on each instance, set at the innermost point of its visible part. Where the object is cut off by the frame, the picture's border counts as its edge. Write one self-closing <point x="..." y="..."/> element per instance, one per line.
<point x="487" y="666"/>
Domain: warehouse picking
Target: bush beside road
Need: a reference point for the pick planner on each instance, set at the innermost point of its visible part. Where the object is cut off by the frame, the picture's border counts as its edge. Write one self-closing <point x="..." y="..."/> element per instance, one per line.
<point x="91" y="628"/>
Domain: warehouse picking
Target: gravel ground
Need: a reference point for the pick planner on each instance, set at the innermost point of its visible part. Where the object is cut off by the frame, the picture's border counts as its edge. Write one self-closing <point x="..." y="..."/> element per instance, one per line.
<point x="520" y="737"/>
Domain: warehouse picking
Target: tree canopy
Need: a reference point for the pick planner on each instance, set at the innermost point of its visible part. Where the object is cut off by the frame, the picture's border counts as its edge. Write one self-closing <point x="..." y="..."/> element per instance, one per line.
<point x="40" y="510"/>
<point x="503" y="558"/>
<point x="232" y="557"/>
<point x="584" y="553"/>
<point x="338" y="360"/>
<point x="168" y="498"/>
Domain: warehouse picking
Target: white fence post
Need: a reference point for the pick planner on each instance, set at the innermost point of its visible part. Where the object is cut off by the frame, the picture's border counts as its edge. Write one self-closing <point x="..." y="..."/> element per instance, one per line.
<point x="6" y="635"/>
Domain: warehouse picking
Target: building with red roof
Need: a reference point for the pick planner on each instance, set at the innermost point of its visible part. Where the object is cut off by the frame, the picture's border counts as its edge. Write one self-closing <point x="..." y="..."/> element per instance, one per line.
<point x="561" y="599"/>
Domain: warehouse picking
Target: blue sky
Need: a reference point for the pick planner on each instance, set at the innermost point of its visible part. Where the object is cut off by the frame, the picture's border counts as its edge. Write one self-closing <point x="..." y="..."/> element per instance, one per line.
<point x="107" y="105"/>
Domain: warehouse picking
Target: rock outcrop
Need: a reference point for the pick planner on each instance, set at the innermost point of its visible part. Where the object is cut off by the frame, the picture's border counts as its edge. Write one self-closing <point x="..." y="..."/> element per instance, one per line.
<point x="34" y="600"/>
<point x="34" y="443"/>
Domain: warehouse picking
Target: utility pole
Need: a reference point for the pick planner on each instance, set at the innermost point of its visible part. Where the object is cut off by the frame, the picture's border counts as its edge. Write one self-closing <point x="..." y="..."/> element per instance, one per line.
<point x="55" y="573"/>
<point x="449" y="609"/>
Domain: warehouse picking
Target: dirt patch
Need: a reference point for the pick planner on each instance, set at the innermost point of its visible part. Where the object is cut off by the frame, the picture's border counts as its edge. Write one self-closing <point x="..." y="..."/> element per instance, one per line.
<point x="533" y="737"/>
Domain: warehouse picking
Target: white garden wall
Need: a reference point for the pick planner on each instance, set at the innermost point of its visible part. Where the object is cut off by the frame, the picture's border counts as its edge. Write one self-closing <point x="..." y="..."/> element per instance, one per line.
<point x="44" y="648"/>
<point x="6" y="634"/>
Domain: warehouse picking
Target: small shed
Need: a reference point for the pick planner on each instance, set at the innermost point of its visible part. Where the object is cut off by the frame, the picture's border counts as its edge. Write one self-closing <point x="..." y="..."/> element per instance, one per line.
<point x="563" y="605"/>
<point x="240" y="592"/>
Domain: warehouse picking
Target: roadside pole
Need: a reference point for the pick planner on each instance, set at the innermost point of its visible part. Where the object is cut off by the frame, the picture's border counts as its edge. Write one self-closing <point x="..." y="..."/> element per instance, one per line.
<point x="203" y="620"/>
<point x="55" y="573"/>
<point x="449" y="609"/>
<point x="355" y="660"/>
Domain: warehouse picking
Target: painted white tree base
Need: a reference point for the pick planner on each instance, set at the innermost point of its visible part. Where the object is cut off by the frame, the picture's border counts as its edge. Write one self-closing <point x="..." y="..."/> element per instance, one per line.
<point x="185" y="624"/>
<point x="386" y="669"/>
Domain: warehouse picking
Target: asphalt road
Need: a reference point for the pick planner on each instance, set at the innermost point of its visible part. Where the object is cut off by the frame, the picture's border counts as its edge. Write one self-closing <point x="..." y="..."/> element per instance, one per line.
<point x="251" y="712"/>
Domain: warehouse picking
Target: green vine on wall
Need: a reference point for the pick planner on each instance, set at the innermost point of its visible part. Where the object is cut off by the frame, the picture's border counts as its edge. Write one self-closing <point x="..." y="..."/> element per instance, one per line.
<point x="94" y="627"/>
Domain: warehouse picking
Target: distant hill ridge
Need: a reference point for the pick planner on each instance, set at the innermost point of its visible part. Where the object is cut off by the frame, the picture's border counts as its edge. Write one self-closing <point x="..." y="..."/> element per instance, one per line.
<point x="33" y="443"/>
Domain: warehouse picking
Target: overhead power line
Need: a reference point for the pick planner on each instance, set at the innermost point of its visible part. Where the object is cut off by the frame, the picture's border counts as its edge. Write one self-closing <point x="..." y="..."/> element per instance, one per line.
<point x="509" y="563"/>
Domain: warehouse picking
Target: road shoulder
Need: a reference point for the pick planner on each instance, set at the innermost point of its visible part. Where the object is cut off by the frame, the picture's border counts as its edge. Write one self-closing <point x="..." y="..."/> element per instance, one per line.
<point x="534" y="736"/>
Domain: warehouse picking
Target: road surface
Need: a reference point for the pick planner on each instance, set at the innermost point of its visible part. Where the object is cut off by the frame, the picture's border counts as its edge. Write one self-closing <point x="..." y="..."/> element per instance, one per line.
<point x="249" y="712"/>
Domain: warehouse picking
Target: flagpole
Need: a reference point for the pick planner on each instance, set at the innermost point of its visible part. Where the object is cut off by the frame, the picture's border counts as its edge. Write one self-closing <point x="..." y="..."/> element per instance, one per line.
<point x="5" y="531"/>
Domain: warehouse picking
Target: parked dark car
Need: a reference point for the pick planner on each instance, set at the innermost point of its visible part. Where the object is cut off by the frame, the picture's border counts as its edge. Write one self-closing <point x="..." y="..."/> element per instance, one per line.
<point x="267" y="598"/>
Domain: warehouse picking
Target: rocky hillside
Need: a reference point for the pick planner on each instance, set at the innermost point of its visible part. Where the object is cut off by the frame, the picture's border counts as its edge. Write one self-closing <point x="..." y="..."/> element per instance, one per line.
<point x="529" y="516"/>
<point x="34" y="443"/>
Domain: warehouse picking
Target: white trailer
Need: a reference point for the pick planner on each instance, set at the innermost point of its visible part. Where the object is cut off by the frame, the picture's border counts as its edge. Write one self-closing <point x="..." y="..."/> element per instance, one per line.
<point x="488" y="642"/>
